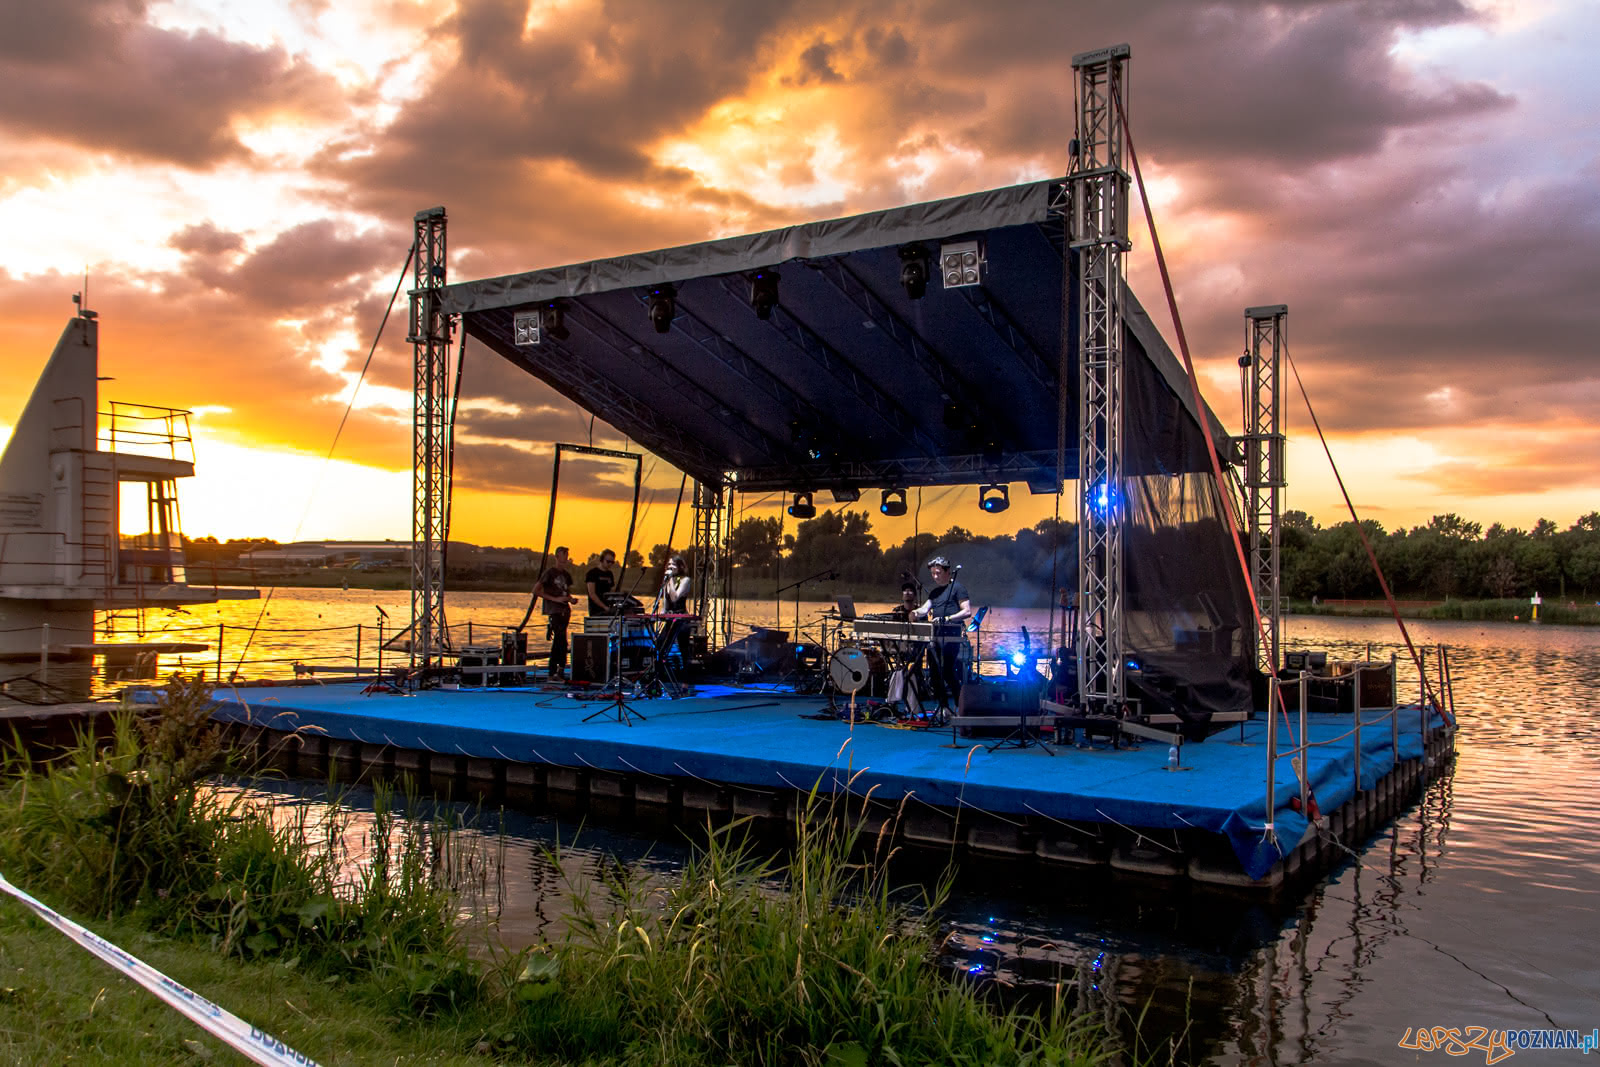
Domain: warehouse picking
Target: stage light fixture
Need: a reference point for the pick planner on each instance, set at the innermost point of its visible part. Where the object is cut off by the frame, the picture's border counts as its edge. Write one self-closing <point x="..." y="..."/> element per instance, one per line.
<point x="554" y="317"/>
<point x="764" y="292"/>
<point x="1103" y="498"/>
<point x="893" y="503"/>
<point x="846" y="496"/>
<point x="994" y="498"/>
<point x="663" y="306"/>
<point x="954" y="418"/>
<point x="803" y="508"/>
<point x="960" y="263"/>
<point x="525" y="328"/>
<point x="914" y="270"/>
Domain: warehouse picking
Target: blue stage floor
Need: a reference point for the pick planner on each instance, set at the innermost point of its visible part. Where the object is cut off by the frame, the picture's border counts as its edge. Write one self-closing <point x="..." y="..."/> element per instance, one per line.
<point x="755" y="737"/>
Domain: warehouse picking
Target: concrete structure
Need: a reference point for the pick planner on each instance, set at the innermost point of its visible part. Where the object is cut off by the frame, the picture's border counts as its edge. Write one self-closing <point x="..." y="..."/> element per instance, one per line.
<point x="62" y="556"/>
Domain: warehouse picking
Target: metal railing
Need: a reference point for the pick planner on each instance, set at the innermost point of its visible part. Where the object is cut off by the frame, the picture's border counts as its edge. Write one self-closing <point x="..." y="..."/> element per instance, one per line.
<point x="147" y="430"/>
<point x="1299" y="753"/>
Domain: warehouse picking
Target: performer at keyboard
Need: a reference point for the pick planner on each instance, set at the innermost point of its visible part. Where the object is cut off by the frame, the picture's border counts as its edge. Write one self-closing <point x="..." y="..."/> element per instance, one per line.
<point x="909" y="597"/>
<point x="601" y="581"/>
<point x="948" y="603"/>
<point x="910" y="653"/>
<point x="673" y="599"/>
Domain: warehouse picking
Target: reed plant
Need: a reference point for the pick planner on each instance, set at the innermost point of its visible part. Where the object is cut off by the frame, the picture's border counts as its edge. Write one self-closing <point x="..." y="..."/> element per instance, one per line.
<point x="806" y="957"/>
<point x="136" y="828"/>
<point x="741" y="959"/>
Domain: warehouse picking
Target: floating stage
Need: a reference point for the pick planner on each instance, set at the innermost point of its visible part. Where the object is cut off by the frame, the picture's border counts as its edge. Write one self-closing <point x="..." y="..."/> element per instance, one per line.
<point x="755" y="750"/>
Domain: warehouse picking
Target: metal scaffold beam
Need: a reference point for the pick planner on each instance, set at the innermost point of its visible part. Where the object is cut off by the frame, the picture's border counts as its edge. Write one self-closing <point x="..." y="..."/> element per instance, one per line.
<point x="430" y="339"/>
<point x="1099" y="233"/>
<point x="713" y="522"/>
<point x="1265" y="477"/>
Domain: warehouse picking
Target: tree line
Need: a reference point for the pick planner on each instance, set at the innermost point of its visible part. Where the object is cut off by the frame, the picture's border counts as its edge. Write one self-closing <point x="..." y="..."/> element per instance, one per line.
<point x="1449" y="557"/>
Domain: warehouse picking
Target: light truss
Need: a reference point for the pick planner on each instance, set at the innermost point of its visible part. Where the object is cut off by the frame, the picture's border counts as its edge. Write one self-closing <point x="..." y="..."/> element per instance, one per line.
<point x="430" y="340"/>
<point x="713" y="523"/>
<point x="1265" y="477"/>
<point x="1099" y="232"/>
<point x="888" y="473"/>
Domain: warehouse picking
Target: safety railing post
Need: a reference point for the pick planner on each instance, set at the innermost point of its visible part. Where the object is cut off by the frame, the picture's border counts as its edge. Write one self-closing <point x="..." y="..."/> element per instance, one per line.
<point x="1358" y="747"/>
<point x="380" y="647"/>
<point x="358" y="648"/>
<point x="1305" y="750"/>
<point x="1394" y="711"/>
<point x="219" y="652"/>
<point x="1422" y="680"/>
<point x="44" y="655"/>
<point x="1272" y="749"/>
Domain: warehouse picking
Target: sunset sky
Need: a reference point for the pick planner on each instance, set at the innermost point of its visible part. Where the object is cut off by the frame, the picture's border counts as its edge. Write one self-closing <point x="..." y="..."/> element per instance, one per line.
<point x="1419" y="180"/>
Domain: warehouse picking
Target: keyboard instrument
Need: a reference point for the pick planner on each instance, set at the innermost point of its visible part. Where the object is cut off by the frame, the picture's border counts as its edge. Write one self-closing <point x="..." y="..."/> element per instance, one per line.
<point x="896" y="630"/>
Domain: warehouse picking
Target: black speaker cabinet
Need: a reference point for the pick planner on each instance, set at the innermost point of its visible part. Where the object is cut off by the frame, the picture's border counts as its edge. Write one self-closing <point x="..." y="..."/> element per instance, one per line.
<point x="590" y="663"/>
<point x="997" y="698"/>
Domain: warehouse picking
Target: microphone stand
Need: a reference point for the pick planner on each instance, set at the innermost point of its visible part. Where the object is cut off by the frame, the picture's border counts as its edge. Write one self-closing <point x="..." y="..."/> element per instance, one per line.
<point x="828" y="573"/>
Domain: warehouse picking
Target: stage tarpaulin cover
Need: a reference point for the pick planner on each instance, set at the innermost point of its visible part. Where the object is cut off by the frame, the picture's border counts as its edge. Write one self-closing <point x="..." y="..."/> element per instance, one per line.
<point x="853" y="381"/>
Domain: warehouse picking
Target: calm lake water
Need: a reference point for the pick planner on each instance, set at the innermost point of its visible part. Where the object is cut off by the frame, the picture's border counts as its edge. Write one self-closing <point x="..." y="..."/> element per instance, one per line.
<point x="1480" y="906"/>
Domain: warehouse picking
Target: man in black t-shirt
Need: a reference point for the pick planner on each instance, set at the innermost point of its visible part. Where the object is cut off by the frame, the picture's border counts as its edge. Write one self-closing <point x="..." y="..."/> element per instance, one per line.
<point x="601" y="581"/>
<point x="556" y="600"/>
<point x="949" y="602"/>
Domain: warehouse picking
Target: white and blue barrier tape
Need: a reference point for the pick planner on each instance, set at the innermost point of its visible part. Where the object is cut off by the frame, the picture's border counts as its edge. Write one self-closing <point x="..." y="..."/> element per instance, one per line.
<point x="258" y="1045"/>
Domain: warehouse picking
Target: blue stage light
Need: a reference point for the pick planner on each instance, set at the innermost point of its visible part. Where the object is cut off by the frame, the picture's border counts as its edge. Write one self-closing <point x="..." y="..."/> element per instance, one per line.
<point x="1103" y="497"/>
<point x="994" y="498"/>
<point x="1019" y="659"/>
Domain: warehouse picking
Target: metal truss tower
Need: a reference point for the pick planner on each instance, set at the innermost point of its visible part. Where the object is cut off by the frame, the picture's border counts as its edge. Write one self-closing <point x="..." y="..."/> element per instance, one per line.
<point x="430" y="339"/>
<point x="1099" y="232"/>
<point x="713" y="521"/>
<point x="1264" y="478"/>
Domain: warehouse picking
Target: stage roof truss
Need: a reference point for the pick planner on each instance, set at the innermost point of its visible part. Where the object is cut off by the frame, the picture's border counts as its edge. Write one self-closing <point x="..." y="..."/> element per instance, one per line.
<point x="848" y="383"/>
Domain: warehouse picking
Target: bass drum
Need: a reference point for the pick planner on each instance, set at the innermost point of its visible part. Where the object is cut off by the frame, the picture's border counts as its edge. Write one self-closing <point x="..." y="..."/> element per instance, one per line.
<point x="849" y="670"/>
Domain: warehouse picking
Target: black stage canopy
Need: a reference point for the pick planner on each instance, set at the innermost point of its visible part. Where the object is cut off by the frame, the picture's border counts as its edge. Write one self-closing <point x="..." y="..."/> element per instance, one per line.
<point x="849" y="382"/>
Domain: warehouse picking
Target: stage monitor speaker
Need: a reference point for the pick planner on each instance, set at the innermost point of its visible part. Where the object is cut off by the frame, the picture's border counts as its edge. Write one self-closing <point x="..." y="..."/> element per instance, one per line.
<point x="997" y="698"/>
<point x="589" y="662"/>
<point x="592" y="660"/>
<point x="513" y="653"/>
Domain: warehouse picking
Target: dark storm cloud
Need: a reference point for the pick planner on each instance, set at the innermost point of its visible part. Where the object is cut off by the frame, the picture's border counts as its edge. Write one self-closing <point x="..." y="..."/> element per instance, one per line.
<point x="94" y="75"/>
<point x="506" y="468"/>
<point x="1412" y="282"/>
<point x="308" y="267"/>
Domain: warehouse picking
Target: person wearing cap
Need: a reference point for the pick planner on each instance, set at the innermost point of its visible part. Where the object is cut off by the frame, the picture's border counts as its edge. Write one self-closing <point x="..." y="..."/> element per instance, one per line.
<point x="949" y="602"/>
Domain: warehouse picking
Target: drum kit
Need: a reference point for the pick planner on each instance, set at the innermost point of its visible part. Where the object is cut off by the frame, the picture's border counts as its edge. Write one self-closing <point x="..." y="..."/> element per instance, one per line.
<point x="873" y="670"/>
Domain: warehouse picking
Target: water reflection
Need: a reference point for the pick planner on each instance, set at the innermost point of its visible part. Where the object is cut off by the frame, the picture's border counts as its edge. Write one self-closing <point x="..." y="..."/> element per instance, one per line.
<point x="1476" y="907"/>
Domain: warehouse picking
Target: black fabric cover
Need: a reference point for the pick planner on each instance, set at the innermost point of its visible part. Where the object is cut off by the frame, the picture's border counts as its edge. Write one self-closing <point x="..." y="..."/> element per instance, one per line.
<point x="1187" y="618"/>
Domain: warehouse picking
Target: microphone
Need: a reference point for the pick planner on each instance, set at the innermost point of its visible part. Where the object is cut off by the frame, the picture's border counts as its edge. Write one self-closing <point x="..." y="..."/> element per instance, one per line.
<point x="385" y="614"/>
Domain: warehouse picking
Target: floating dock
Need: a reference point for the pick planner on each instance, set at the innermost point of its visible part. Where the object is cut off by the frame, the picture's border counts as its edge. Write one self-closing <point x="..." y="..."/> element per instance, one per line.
<point x="757" y="751"/>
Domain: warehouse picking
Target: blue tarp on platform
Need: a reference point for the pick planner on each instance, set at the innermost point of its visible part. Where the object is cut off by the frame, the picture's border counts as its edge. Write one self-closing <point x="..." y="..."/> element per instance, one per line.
<point x="757" y="738"/>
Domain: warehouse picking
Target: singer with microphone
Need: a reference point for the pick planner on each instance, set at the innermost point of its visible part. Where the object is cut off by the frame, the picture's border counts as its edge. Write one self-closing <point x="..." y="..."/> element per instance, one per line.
<point x="949" y="602"/>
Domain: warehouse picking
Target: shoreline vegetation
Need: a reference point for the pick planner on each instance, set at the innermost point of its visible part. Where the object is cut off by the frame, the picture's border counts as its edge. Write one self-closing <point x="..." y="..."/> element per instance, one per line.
<point x="809" y="958"/>
<point x="1568" y="611"/>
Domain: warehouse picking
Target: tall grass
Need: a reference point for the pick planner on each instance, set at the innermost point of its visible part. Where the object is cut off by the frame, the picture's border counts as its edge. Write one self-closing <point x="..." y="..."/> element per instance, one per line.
<point x="136" y="829"/>
<point x="743" y="961"/>
<point x="808" y="958"/>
